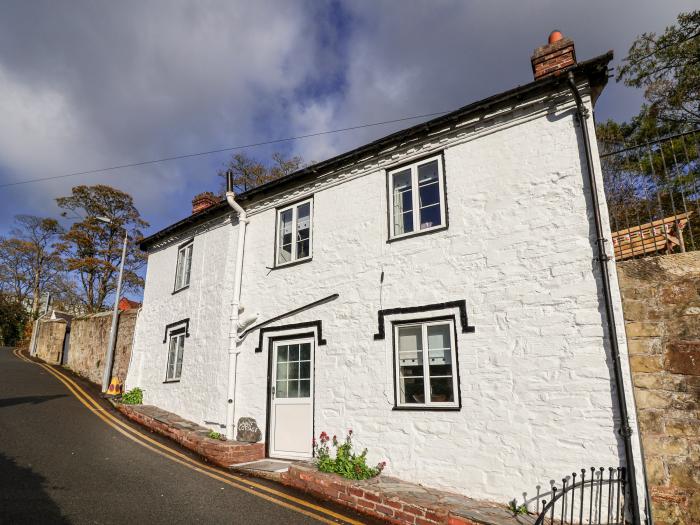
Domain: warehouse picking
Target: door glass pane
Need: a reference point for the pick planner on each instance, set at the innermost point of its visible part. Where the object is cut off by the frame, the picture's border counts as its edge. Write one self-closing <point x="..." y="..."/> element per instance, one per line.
<point x="429" y="195"/>
<point x="293" y="370"/>
<point x="410" y="348"/>
<point x="284" y="252"/>
<point x="403" y="202"/>
<point x="281" y="371"/>
<point x="293" y="352"/>
<point x="281" y="353"/>
<point x="293" y="378"/>
<point x="293" y="389"/>
<point x="303" y="230"/>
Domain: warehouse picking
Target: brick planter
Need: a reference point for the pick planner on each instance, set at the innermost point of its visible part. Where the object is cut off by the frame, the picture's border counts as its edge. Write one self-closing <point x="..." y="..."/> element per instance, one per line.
<point x="192" y="436"/>
<point x="397" y="501"/>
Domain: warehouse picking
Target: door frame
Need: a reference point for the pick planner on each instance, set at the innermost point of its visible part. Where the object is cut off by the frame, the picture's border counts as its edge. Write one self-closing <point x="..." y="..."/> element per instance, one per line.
<point x="268" y="393"/>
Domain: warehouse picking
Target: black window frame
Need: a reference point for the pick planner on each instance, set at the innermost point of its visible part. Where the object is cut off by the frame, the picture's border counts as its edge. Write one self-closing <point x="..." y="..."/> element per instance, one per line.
<point x="182" y="331"/>
<point x="181" y="247"/>
<point x="389" y="171"/>
<point x="458" y="387"/>
<point x="278" y="210"/>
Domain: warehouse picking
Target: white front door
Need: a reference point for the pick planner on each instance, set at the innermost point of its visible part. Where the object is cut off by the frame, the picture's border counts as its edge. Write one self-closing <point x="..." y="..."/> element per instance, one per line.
<point x="291" y="406"/>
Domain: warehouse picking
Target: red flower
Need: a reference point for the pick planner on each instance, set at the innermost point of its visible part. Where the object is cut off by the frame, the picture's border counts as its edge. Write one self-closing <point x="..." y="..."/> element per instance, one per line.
<point x="323" y="437"/>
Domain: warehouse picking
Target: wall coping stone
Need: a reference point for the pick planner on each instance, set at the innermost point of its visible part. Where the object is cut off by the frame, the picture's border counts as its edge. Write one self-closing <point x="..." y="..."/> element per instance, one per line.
<point x="397" y="501"/>
<point x="192" y="436"/>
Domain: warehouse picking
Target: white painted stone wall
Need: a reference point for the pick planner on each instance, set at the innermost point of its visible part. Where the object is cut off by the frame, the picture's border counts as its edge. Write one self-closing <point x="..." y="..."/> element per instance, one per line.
<point x="536" y="383"/>
<point x="201" y="392"/>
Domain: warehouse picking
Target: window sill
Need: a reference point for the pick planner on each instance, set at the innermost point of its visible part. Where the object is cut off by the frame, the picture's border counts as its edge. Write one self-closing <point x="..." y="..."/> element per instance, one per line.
<point x="428" y="408"/>
<point x="180" y="289"/>
<point x="417" y="234"/>
<point x="293" y="263"/>
<point x="171" y="381"/>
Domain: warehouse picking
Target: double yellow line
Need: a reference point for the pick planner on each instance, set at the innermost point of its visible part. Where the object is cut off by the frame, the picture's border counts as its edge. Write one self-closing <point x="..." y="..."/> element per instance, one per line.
<point x="274" y="496"/>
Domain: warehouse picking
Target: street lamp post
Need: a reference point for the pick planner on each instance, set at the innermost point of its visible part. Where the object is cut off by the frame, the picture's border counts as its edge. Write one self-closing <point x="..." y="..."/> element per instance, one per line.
<point x="109" y="360"/>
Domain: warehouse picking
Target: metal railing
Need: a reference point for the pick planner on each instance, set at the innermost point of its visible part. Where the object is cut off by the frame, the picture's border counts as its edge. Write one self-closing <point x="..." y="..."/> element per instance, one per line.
<point x="588" y="498"/>
<point x="653" y="194"/>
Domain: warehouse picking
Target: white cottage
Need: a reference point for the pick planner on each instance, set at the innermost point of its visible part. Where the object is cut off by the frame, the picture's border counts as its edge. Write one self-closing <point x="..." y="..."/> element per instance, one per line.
<point x="439" y="291"/>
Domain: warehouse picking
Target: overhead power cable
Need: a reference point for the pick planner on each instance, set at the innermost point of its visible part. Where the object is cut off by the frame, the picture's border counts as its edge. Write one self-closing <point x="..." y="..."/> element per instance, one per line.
<point x="214" y="151"/>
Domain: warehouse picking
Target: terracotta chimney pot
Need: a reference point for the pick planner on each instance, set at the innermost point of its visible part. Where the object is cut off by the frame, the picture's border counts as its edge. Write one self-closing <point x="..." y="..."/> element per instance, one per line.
<point x="555" y="36"/>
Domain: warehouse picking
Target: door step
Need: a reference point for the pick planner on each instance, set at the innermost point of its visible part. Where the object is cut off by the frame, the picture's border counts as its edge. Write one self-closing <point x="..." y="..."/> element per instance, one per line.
<point x="263" y="465"/>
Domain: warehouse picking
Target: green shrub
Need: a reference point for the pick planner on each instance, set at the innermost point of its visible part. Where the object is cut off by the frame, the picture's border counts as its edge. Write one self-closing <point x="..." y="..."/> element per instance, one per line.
<point x="133" y="397"/>
<point x="346" y="462"/>
<point x="214" y="435"/>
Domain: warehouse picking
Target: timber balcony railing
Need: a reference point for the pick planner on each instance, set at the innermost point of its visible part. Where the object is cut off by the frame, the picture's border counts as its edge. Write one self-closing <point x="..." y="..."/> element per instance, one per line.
<point x="595" y="497"/>
<point x="653" y="195"/>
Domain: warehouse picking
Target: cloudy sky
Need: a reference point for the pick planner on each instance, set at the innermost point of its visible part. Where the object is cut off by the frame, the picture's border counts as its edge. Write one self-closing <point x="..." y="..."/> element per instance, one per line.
<point x="90" y="84"/>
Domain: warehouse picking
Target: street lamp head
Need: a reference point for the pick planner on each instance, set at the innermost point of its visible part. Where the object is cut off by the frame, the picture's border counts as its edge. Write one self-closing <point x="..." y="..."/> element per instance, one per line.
<point x="106" y="220"/>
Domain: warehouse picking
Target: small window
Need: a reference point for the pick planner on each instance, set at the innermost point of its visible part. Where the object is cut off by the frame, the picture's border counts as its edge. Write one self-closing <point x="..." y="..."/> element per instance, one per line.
<point x="175" y="351"/>
<point x="417" y="198"/>
<point x="294" y="232"/>
<point x="184" y="266"/>
<point x="425" y="365"/>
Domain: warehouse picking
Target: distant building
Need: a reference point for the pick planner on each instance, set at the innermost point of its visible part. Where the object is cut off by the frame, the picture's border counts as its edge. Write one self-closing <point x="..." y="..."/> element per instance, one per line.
<point x="126" y="304"/>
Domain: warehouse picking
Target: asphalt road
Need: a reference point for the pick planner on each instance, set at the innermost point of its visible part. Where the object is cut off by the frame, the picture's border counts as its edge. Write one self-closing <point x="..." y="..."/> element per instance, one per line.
<point x="60" y="463"/>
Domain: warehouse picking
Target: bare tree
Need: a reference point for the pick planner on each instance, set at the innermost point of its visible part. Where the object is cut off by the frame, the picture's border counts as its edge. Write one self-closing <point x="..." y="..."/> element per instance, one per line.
<point x="30" y="260"/>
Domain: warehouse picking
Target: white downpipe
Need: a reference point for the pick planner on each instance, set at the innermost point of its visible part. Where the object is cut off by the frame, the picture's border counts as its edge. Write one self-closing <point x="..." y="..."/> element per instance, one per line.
<point x="233" y="340"/>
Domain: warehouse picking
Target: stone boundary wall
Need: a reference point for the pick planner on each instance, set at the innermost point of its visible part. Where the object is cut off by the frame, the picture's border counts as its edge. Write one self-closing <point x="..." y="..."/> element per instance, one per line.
<point x="49" y="340"/>
<point x="661" y="303"/>
<point x="89" y="340"/>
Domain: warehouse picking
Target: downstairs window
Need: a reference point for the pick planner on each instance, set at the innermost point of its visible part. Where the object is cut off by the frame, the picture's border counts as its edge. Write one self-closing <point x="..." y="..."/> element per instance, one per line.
<point x="425" y="367"/>
<point x="175" y="350"/>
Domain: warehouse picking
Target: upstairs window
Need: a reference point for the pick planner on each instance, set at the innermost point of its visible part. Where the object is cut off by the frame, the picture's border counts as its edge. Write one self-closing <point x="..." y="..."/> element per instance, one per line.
<point x="294" y="232"/>
<point x="417" y="201"/>
<point x="184" y="266"/>
<point x="426" y="365"/>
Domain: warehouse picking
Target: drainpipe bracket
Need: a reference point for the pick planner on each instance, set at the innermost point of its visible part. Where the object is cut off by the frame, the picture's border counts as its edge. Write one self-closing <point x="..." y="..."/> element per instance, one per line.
<point x="625" y="430"/>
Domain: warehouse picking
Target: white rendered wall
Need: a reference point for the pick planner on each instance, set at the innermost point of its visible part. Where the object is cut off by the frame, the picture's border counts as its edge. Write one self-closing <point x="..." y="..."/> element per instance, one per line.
<point x="201" y="392"/>
<point x="536" y="383"/>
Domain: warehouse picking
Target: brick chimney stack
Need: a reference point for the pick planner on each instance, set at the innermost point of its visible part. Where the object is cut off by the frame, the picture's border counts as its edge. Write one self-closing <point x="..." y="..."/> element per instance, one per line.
<point x="203" y="201"/>
<point x="554" y="57"/>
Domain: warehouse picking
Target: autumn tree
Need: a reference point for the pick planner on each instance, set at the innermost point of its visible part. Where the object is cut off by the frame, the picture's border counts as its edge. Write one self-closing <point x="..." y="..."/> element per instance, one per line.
<point x="93" y="248"/>
<point x="30" y="260"/>
<point x="249" y="172"/>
